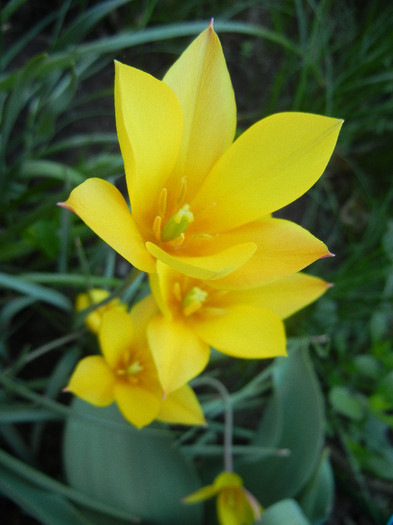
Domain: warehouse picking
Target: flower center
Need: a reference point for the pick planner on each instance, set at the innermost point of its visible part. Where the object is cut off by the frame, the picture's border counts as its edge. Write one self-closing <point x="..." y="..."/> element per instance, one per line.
<point x="131" y="371"/>
<point x="177" y="224"/>
<point x="193" y="300"/>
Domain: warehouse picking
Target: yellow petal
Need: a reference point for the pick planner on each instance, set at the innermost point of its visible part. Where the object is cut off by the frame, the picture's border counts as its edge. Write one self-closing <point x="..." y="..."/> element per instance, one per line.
<point x="201" y="82"/>
<point x="283" y="248"/>
<point x="202" y="494"/>
<point x="285" y="296"/>
<point x="178" y="352"/>
<point x="102" y="207"/>
<point x="233" y="508"/>
<point x="228" y="479"/>
<point x="138" y="405"/>
<point x="93" y="381"/>
<point x="95" y="296"/>
<point x="149" y="127"/>
<point x="182" y="407"/>
<point x="116" y="337"/>
<point x="213" y="266"/>
<point x="242" y="331"/>
<point x="142" y="313"/>
<point x="273" y="163"/>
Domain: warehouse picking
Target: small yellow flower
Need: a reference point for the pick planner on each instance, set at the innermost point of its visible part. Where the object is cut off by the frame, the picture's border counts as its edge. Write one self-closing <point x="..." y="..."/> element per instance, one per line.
<point x="235" y="505"/>
<point x="200" y="202"/>
<point x="126" y="374"/>
<point x="193" y="315"/>
<point x="95" y="296"/>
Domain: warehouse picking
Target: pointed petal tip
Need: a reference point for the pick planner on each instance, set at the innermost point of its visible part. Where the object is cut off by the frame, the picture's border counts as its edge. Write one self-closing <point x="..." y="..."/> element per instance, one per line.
<point x="327" y="255"/>
<point x="65" y="206"/>
<point x="211" y="23"/>
<point x="329" y="285"/>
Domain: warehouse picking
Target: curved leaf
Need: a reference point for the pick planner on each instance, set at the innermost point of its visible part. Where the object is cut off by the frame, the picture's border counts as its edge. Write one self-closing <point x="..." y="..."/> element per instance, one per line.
<point x="137" y="471"/>
<point x="293" y="420"/>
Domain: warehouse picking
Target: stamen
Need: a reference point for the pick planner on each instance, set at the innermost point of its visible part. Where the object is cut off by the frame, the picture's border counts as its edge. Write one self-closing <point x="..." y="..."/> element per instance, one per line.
<point x="162" y="201"/>
<point x="193" y="300"/>
<point x="157" y="228"/>
<point x="177" y="291"/>
<point x="178" y="241"/>
<point x="131" y="370"/>
<point x="177" y="224"/>
<point x="183" y="189"/>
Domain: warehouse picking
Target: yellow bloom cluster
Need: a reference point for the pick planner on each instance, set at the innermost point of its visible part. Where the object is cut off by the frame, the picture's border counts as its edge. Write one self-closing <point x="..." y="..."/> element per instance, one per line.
<point x="223" y="272"/>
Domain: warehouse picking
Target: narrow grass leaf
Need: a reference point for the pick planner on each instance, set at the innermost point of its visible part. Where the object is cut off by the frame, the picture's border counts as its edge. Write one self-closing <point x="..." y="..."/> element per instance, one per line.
<point x="41" y="293"/>
<point x="49" y="508"/>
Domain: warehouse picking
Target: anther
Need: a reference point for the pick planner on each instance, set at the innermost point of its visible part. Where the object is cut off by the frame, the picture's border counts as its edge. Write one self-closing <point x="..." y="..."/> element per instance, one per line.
<point x="157" y="227"/>
<point x="162" y="202"/>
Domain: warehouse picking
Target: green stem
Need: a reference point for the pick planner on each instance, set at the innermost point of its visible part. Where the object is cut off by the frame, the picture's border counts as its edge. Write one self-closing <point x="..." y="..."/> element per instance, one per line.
<point x="228" y="415"/>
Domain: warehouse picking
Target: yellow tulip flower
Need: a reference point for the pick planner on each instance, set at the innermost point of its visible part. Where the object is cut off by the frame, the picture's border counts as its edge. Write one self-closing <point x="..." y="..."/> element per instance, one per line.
<point x="95" y="296"/>
<point x="126" y="374"/>
<point x="200" y="202"/>
<point x="235" y="505"/>
<point x="188" y="316"/>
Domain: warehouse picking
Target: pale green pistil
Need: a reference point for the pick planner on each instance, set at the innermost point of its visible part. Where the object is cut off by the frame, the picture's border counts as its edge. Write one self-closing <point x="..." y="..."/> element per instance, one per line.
<point x="193" y="300"/>
<point x="177" y="224"/>
<point x="131" y="370"/>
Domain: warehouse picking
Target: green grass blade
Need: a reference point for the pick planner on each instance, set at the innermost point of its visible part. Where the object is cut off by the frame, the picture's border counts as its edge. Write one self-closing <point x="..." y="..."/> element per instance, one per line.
<point x="36" y="291"/>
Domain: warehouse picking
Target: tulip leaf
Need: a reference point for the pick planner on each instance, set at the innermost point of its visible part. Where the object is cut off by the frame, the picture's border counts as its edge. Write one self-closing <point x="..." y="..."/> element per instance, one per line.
<point x="285" y="511"/>
<point x="317" y="497"/>
<point x="293" y="420"/>
<point x="136" y="471"/>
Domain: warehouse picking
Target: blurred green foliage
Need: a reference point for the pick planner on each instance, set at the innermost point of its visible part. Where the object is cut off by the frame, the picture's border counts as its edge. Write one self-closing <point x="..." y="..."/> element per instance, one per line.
<point x="57" y="128"/>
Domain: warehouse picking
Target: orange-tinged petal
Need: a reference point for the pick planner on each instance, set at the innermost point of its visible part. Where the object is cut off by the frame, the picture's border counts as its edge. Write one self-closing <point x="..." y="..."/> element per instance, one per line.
<point x="285" y="296"/>
<point x="138" y="405"/>
<point x="102" y="207"/>
<point x="182" y="407"/>
<point x="273" y="163"/>
<point x="201" y="82"/>
<point x="93" y="381"/>
<point x="283" y="248"/>
<point x="213" y="266"/>
<point x="242" y="331"/>
<point x="116" y="337"/>
<point x="149" y="127"/>
<point x="178" y="352"/>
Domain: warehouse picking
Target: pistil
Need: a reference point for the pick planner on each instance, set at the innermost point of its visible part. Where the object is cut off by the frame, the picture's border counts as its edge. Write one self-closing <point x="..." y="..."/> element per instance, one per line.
<point x="194" y="300"/>
<point x="177" y="224"/>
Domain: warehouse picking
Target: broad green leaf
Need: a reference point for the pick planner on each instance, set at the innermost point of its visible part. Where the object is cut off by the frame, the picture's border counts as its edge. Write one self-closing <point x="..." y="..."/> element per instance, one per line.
<point x="137" y="471"/>
<point x="285" y="512"/>
<point x="293" y="420"/>
<point x="317" y="497"/>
